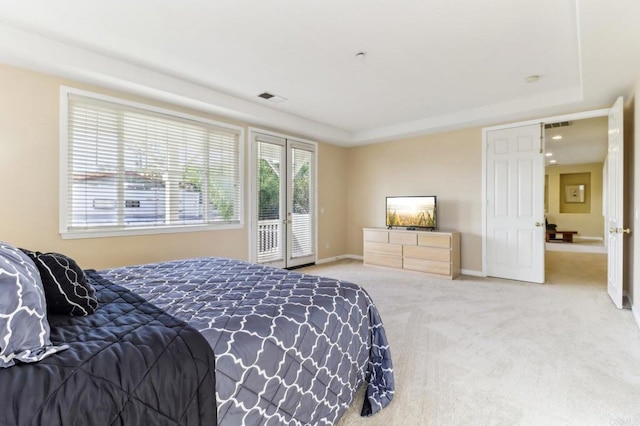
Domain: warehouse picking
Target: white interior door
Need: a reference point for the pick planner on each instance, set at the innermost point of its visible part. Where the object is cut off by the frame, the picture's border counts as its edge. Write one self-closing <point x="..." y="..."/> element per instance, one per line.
<point x="615" y="204"/>
<point x="284" y="202"/>
<point x="515" y="204"/>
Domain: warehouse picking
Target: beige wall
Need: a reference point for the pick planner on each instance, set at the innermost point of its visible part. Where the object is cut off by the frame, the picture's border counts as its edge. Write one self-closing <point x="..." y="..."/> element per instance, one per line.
<point x="352" y="185"/>
<point x="587" y="224"/>
<point x="447" y="165"/>
<point x="332" y="201"/>
<point x="29" y="166"/>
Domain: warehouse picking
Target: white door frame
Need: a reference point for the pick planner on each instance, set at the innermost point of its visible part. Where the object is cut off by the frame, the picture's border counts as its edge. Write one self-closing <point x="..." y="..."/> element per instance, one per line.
<point x="252" y="185"/>
<point x="551" y="119"/>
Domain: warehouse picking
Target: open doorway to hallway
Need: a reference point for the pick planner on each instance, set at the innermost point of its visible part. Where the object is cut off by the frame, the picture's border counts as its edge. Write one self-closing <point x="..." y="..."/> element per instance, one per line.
<point x="574" y="200"/>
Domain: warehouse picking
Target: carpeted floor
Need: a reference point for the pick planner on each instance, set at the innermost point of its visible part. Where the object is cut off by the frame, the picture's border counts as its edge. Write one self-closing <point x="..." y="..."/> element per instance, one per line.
<point x="579" y="245"/>
<point x="482" y="351"/>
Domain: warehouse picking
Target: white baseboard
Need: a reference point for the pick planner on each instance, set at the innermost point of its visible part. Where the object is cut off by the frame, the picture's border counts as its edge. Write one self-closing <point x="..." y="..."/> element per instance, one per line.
<point x="586" y="237"/>
<point x="470" y="272"/>
<point x="343" y="256"/>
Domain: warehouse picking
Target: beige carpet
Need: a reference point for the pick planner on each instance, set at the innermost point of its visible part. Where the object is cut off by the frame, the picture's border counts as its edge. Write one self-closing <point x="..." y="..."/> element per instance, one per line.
<point x="579" y="245"/>
<point x="478" y="351"/>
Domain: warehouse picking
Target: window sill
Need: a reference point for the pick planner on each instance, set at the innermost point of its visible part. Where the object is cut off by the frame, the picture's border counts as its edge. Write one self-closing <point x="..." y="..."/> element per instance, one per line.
<point x="106" y="233"/>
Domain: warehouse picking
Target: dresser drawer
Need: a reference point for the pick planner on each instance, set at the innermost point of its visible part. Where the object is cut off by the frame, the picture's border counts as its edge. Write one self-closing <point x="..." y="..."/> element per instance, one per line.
<point x="430" y="266"/>
<point x="376" y="236"/>
<point x="434" y="240"/>
<point x="383" y="248"/>
<point x="409" y="238"/>
<point x="383" y="260"/>
<point x="436" y="253"/>
<point x="428" y="253"/>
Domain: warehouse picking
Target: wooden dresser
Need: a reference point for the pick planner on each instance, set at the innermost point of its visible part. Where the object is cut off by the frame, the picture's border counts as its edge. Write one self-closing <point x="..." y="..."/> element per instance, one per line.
<point x="436" y="253"/>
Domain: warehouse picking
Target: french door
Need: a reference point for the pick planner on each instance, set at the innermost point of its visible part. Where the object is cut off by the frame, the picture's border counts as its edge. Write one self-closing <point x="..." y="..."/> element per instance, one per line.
<point x="615" y="205"/>
<point x="284" y="214"/>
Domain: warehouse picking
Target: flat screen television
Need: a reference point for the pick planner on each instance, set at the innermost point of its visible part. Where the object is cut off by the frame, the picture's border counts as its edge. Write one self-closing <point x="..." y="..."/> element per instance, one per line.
<point x="412" y="212"/>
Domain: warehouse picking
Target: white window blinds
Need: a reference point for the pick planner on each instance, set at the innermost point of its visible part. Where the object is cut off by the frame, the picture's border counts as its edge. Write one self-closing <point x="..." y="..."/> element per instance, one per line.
<point x="131" y="168"/>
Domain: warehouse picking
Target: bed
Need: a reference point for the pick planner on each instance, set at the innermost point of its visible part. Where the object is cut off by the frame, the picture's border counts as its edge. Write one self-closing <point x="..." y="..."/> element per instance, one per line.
<point x="290" y="348"/>
<point x="127" y="363"/>
<point x="192" y="342"/>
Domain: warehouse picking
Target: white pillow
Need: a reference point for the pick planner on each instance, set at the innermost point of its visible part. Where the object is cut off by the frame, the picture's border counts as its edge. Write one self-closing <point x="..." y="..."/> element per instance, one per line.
<point x="24" y="329"/>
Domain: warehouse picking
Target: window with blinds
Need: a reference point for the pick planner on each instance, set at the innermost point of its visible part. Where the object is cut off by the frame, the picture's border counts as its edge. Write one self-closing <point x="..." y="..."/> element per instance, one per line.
<point x="129" y="167"/>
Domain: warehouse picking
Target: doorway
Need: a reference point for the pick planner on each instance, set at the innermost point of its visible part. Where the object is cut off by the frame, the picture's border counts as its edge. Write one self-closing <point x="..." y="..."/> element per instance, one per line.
<point x="283" y="206"/>
<point x="575" y="155"/>
<point x="487" y="175"/>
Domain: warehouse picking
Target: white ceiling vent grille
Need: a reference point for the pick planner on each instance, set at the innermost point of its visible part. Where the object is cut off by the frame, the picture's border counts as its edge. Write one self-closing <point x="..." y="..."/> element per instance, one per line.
<point x="271" y="97"/>
<point x="558" y="124"/>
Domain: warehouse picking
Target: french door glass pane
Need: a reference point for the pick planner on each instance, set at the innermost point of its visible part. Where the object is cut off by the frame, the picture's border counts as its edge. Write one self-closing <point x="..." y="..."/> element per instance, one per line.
<point x="270" y="193"/>
<point x="301" y="211"/>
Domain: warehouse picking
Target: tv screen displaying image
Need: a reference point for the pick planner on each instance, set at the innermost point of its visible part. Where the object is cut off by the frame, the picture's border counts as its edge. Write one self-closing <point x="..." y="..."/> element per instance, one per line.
<point x="412" y="212"/>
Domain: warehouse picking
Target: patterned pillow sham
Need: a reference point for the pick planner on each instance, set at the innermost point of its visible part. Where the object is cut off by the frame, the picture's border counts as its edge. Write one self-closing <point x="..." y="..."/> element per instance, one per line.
<point x="24" y="329"/>
<point x="65" y="284"/>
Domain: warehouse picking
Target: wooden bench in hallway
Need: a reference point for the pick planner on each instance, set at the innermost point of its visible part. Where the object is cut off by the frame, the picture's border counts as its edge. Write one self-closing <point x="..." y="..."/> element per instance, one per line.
<point x="565" y="236"/>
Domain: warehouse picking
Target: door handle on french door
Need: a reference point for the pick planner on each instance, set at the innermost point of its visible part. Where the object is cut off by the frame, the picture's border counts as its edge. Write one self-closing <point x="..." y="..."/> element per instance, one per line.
<point x="538" y="224"/>
<point x="619" y="230"/>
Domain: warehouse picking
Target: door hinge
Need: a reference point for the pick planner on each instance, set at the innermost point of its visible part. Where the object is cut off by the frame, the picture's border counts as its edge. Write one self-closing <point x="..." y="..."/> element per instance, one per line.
<point x="541" y="137"/>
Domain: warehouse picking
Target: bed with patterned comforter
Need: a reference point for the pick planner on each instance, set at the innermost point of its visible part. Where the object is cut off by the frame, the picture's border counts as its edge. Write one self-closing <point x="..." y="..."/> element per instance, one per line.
<point x="129" y="363"/>
<point x="290" y="348"/>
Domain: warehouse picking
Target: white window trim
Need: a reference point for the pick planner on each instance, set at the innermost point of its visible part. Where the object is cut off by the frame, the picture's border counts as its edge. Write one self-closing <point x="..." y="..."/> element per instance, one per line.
<point x="65" y="233"/>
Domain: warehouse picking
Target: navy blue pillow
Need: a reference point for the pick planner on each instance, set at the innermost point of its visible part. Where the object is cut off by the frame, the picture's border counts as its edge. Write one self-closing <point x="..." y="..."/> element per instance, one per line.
<point x="65" y="284"/>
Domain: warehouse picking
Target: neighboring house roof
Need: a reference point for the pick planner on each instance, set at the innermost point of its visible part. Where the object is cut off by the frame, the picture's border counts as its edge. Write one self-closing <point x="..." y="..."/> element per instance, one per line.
<point x="132" y="177"/>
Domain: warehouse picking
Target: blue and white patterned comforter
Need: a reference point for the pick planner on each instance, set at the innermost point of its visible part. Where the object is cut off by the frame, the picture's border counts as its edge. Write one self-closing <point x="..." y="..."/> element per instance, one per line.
<point x="290" y="348"/>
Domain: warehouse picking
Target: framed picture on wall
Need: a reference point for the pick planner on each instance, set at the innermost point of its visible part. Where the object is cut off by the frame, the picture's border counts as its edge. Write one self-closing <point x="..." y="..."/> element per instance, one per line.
<point x="574" y="193"/>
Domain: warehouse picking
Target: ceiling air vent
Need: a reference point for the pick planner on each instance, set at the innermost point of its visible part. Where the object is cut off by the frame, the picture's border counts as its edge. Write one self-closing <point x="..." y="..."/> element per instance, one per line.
<point x="271" y="97"/>
<point x="558" y="124"/>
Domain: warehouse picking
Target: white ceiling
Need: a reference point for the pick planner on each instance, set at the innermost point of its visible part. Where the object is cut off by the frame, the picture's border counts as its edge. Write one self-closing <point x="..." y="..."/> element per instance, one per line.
<point x="429" y="65"/>
<point x="583" y="141"/>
